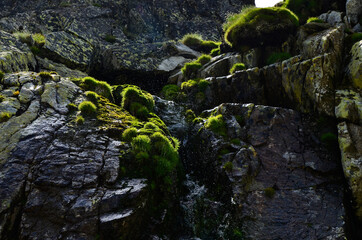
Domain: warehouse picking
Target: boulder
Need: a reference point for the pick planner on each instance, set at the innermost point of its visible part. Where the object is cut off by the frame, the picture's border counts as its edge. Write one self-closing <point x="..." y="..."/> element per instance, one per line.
<point x="354" y="11"/>
<point x="354" y="68"/>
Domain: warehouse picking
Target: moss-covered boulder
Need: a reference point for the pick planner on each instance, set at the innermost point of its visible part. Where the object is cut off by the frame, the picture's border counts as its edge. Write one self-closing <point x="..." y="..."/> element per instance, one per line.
<point x="354" y="72"/>
<point x="261" y="26"/>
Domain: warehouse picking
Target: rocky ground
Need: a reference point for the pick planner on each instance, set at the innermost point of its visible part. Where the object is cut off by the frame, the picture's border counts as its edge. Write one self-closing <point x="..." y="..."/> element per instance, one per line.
<point x="273" y="151"/>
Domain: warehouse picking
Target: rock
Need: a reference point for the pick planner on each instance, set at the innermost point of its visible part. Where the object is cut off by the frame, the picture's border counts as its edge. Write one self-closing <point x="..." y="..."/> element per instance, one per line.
<point x="357" y="28"/>
<point x="220" y="66"/>
<point x="349" y="138"/>
<point x="48" y="65"/>
<point x="68" y="49"/>
<point x="349" y="106"/>
<point x="353" y="11"/>
<point x="252" y="58"/>
<point x="10" y="105"/>
<point x="333" y="17"/>
<point x="26" y="93"/>
<point x="14" y="56"/>
<point x="172" y="63"/>
<point x="259" y="163"/>
<point x="354" y="68"/>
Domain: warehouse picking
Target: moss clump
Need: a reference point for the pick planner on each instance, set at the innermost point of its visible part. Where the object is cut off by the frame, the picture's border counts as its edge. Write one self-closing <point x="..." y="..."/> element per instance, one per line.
<point x="170" y="92"/>
<point x="269" y="192"/>
<point x="190" y="115"/>
<point x="110" y="38"/>
<point x="236" y="141"/>
<point x="39" y="39"/>
<point x="23" y="37"/>
<point x="351" y="39"/>
<point x="92" y="96"/>
<point x="233" y="17"/>
<point x="100" y="87"/>
<point x="2" y="75"/>
<point x="72" y="107"/>
<point x="35" y="50"/>
<point x="203" y="84"/>
<point x="261" y="25"/>
<point x="138" y="110"/>
<point x="79" y="120"/>
<point x="228" y="166"/>
<point x="189" y="84"/>
<point x="278" y="57"/>
<point x="45" y="75"/>
<point x="217" y="125"/>
<point x="195" y="41"/>
<point x="203" y="59"/>
<point x="87" y="109"/>
<point x="215" y="52"/>
<point x="133" y="94"/>
<point x="237" y="67"/>
<point x="129" y="134"/>
<point x="190" y="69"/>
<point x="315" y="19"/>
<point x="304" y="8"/>
<point x="4" y="116"/>
<point x="141" y="143"/>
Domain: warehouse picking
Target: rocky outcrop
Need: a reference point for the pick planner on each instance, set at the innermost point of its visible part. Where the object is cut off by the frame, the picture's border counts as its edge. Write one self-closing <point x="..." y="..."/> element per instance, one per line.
<point x="270" y="169"/>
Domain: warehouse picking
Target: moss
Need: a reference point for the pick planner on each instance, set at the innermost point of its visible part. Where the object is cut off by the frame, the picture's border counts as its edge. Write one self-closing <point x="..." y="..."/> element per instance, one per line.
<point x="39" y="39"/>
<point x="4" y="116"/>
<point x="195" y="41"/>
<point x="141" y="143"/>
<point x="236" y="141"/>
<point x="138" y="110"/>
<point x="35" y="50"/>
<point x="79" y="120"/>
<point x="170" y="92"/>
<point x="92" y="96"/>
<point x="133" y="94"/>
<point x="87" y="108"/>
<point x="190" y="115"/>
<point x="189" y="84"/>
<point x="351" y="39"/>
<point x="23" y="37"/>
<point x="100" y="87"/>
<point x="246" y="29"/>
<point x="233" y="17"/>
<point x="228" y="166"/>
<point x="215" y="52"/>
<point x="200" y="97"/>
<point x="278" y="57"/>
<point x="72" y="107"/>
<point x="303" y="8"/>
<point x="2" y="98"/>
<point x="237" y="67"/>
<point x="203" y="84"/>
<point x="110" y="38"/>
<point x="203" y="59"/>
<point x="315" y="19"/>
<point x="190" y="69"/>
<point x="129" y="134"/>
<point x="269" y="192"/>
<point x="217" y="125"/>
<point x="45" y="75"/>
<point x="2" y="75"/>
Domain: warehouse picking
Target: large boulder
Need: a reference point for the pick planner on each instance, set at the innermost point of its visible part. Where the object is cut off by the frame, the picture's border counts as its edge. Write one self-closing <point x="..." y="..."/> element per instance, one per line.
<point x="354" y="69"/>
<point x="354" y="11"/>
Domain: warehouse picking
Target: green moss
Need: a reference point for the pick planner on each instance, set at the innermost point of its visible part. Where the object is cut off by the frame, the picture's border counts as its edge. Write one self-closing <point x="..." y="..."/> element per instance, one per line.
<point x="45" y="75"/>
<point x="129" y="134"/>
<point x="246" y="30"/>
<point x="195" y="41"/>
<point x="170" y="92"/>
<point x="72" y="107"/>
<point x="351" y="39"/>
<point x="315" y="19"/>
<point x="132" y="94"/>
<point x="2" y="98"/>
<point x="236" y="141"/>
<point x="269" y="192"/>
<point x="217" y="125"/>
<point x="110" y="38"/>
<point x="100" y="87"/>
<point x="35" y="50"/>
<point x="189" y="84"/>
<point x="39" y="39"/>
<point x="200" y="96"/>
<point x="23" y="37"/>
<point x="79" y="120"/>
<point x="233" y="17"/>
<point x="138" y="110"/>
<point x="4" y="116"/>
<point x="190" y="69"/>
<point x="2" y="75"/>
<point x="203" y="59"/>
<point x="228" y="166"/>
<point x="141" y="143"/>
<point x="278" y="57"/>
<point x="203" y="84"/>
<point x="87" y="108"/>
<point x="215" y="52"/>
<point x="303" y="8"/>
<point x="92" y="96"/>
<point x="237" y="67"/>
<point x="190" y="115"/>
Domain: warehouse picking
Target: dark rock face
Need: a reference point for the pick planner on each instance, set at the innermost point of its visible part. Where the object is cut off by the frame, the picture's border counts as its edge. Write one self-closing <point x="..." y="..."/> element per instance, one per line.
<point x="276" y="174"/>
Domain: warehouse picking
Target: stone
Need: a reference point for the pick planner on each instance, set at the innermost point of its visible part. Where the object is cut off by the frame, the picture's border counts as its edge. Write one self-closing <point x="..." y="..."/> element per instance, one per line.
<point x="10" y="105"/>
<point x="353" y="11"/>
<point x="48" y="65"/>
<point x="333" y="17"/>
<point x="354" y="68"/>
<point x="220" y="66"/>
<point x="349" y="106"/>
<point x="172" y="63"/>
<point x="350" y="144"/>
<point x="26" y="93"/>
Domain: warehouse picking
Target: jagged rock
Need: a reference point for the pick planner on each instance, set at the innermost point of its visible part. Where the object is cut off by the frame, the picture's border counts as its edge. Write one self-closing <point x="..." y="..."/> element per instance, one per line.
<point x="14" y="56"/>
<point x="220" y="66"/>
<point x="48" y="65"/>
<point x="349" y="138"/>
<point x="354" y="69"/>
<point x="354" y="11"/>
<point x="252" y="58"/>
<point x="333" y="17"/>
<point x="258" y="166"/>
<point x="172" y="63"/>
<point x="68" y="49"/>
<point x="10" y="105"/>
